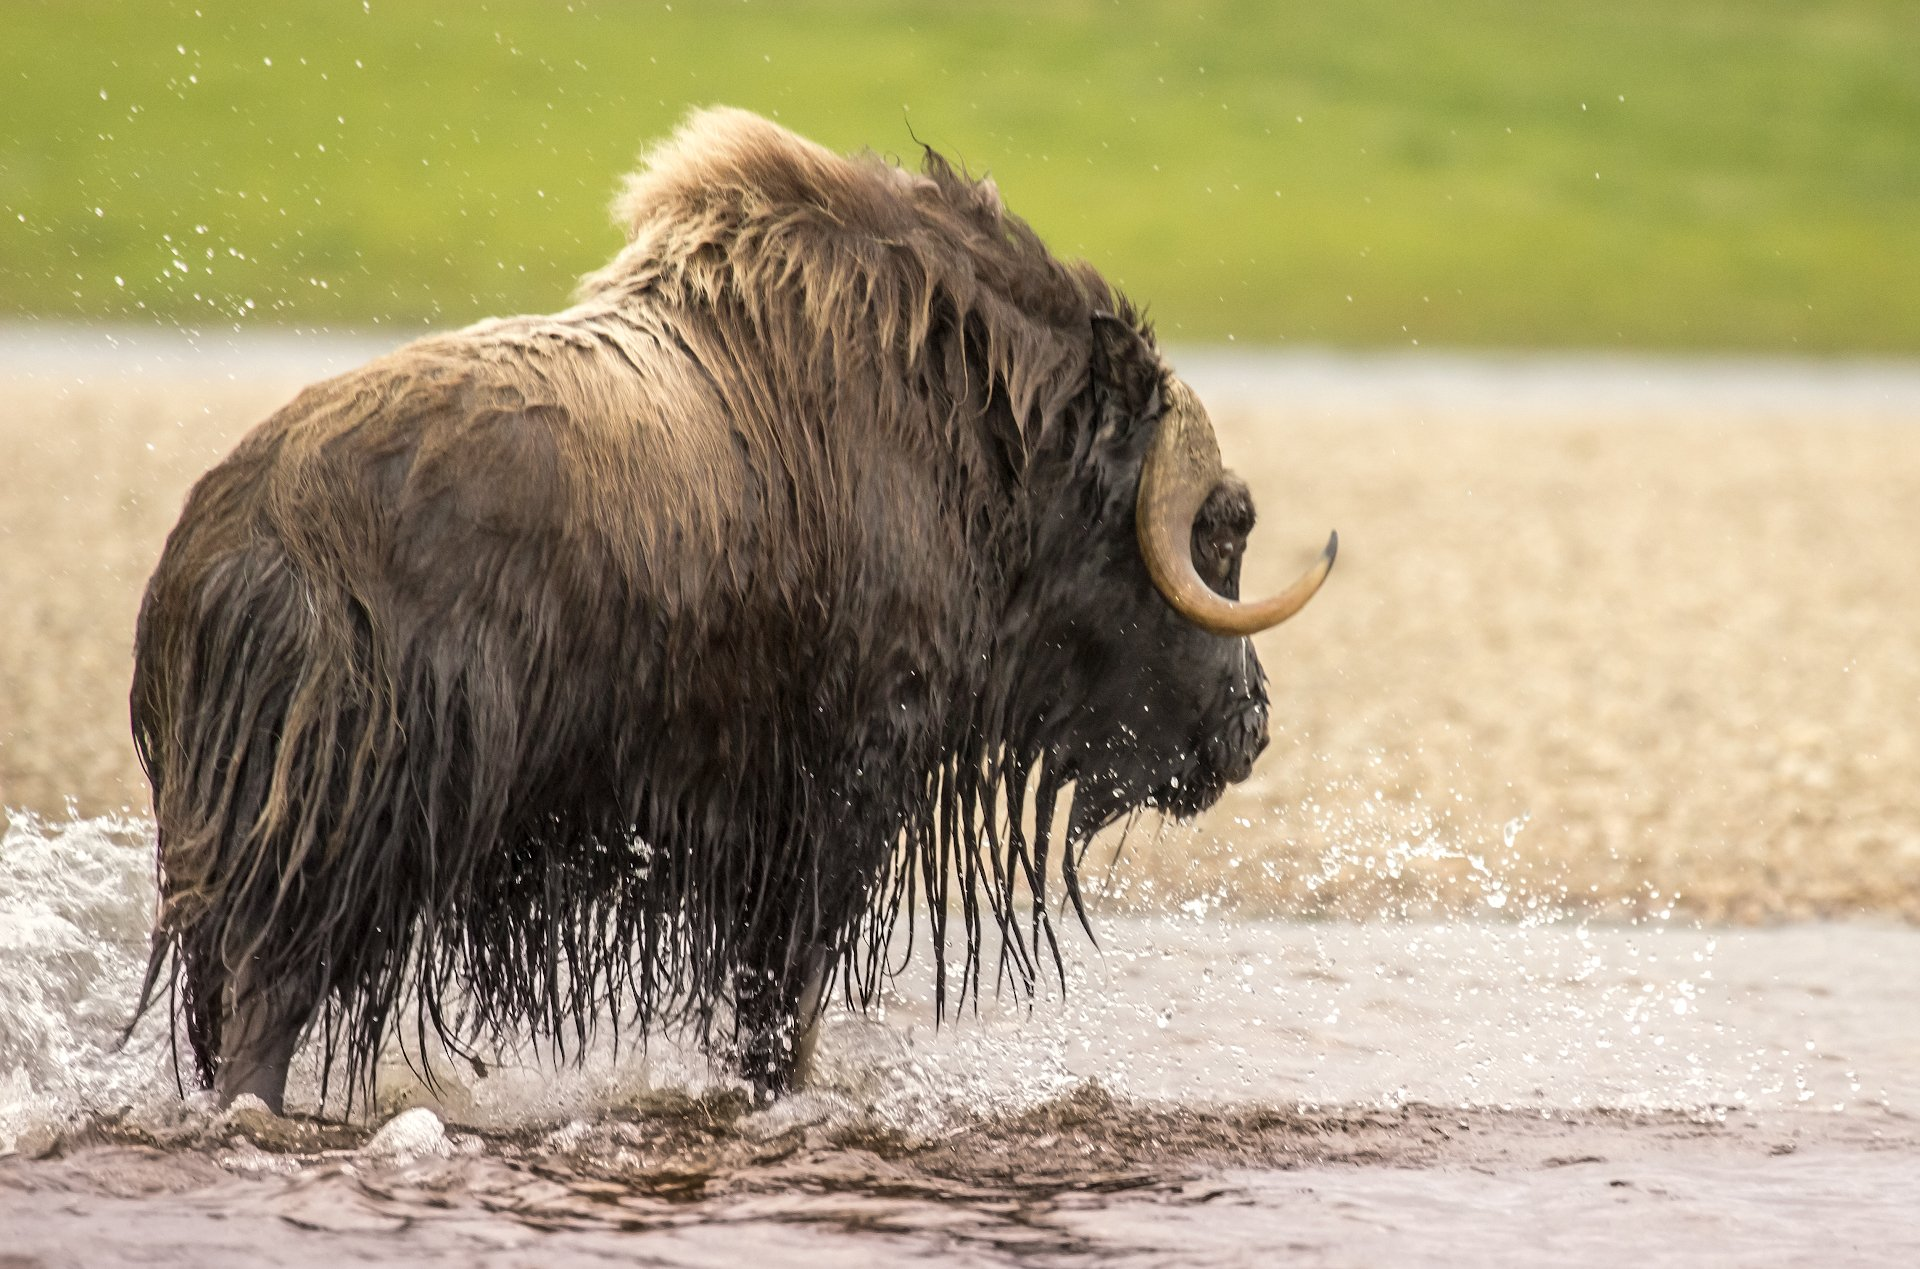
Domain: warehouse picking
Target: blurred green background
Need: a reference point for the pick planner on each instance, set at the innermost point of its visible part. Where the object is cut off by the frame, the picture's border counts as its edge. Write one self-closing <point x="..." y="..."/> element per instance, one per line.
<point x="1737" y="175"/>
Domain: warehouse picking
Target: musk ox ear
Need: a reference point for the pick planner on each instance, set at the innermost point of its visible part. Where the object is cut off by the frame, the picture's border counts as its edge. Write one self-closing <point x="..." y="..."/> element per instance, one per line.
<point x="1127" y="377"/>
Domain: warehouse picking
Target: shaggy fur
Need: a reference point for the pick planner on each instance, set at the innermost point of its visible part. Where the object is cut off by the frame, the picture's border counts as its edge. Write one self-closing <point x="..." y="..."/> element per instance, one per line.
<point x="665" y="652"/>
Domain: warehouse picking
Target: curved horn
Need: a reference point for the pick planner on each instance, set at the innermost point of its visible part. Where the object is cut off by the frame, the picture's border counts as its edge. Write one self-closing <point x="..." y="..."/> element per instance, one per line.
<point x="1181" y="470"/>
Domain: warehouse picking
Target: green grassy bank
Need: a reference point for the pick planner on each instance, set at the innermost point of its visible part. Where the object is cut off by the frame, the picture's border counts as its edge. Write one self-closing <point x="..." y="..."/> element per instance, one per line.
<point x="1684" y="174"/>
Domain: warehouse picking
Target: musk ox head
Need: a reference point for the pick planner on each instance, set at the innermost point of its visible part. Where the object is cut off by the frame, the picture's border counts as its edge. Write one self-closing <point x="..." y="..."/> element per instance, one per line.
<point x="660" y="654"/>
<point x="1155" y="697"/>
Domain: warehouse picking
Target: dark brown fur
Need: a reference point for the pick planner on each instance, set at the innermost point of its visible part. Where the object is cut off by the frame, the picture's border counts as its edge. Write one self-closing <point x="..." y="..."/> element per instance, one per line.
<point x="664" y="651"/>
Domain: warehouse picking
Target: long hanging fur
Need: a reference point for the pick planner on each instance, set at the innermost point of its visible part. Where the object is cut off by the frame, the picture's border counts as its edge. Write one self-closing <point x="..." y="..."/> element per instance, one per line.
<point x="580" y="666"/>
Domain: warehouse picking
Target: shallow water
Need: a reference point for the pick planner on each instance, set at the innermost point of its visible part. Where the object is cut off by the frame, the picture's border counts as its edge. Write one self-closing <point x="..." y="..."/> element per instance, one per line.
<point x="1209" y="1090"/>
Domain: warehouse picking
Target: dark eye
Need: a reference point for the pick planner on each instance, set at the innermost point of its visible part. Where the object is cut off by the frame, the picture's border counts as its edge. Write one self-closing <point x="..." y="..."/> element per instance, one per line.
<point x="1216" y="553"/>
<point x="1220" y="535"/>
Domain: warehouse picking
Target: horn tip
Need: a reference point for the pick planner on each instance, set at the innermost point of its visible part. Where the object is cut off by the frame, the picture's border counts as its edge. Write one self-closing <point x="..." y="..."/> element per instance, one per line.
<point x="1333" y="547"/>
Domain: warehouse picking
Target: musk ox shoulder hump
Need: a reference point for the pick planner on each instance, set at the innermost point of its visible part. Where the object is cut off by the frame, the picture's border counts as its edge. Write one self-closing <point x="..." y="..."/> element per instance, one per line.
<point x="735" y="209"/>
<point x="731" y="168"/>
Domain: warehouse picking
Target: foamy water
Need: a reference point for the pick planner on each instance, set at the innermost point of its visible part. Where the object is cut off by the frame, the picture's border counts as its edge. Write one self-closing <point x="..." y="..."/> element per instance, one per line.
<point x="76" y="899"/>
<point x="1487" y="1069"/>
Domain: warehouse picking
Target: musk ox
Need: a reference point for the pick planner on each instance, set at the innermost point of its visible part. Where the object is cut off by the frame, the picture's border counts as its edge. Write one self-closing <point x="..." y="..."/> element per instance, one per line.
<point x="652" y="660"/>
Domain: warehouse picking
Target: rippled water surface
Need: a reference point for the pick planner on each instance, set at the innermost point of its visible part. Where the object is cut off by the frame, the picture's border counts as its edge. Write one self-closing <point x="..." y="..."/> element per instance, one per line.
<point x="1209" y="1090"/>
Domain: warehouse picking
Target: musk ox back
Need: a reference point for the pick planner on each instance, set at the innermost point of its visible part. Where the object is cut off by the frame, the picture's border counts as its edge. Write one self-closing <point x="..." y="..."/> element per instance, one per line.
<point x="652" y="659"/>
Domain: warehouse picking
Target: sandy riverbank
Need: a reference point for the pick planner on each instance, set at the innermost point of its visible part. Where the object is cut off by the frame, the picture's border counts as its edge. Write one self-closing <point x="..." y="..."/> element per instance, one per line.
<point x="1604" y="634"/>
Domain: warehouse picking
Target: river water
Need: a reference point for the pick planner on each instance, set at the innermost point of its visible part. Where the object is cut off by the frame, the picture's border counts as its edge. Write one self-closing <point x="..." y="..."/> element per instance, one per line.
<point x="1210" y="1090"/>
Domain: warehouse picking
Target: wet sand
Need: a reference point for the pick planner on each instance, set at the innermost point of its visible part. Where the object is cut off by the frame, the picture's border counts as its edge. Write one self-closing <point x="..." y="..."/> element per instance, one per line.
<point x="1672" y="655"/>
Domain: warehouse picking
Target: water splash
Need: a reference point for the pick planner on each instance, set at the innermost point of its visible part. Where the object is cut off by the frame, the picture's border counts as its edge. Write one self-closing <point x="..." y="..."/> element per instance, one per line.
<point x="76" y="901"/>
<point x="1536" y="1008"/>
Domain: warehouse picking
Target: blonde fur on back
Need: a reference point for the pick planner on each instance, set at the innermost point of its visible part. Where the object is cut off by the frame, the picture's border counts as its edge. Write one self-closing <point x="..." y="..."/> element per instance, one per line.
<point x="849" y="261"/>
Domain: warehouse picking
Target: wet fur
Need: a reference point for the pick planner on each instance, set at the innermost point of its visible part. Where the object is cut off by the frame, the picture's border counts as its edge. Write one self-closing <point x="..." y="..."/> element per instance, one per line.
<point x="662" y="652"/>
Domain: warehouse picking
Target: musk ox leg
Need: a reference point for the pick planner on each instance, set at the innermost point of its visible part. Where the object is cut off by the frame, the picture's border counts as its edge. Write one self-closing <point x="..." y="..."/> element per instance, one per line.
<point x="259" y="1036"/>
<point x="808" y="1044"/>
<point x="777" y="1024"/>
